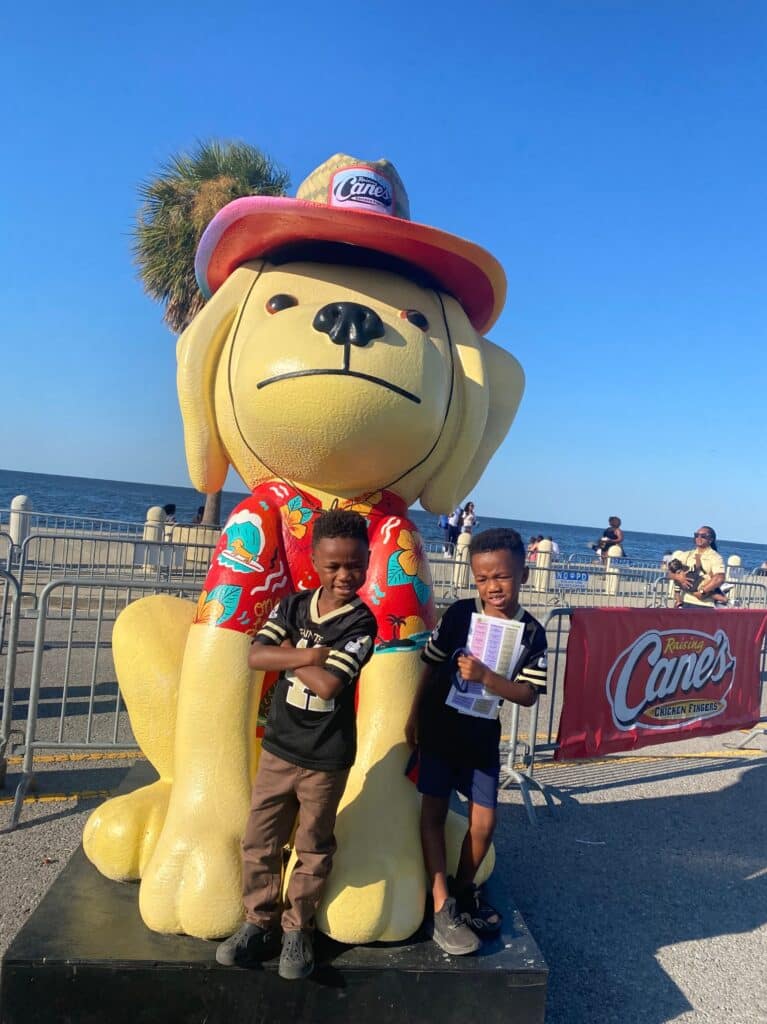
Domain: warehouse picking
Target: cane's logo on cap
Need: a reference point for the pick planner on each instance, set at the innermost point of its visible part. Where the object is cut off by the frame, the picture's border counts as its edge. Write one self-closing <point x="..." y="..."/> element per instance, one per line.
<point x="363" y="189"/>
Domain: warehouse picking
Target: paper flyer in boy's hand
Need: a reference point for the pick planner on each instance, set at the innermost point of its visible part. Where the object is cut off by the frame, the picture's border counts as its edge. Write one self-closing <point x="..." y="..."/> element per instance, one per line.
<point x="498" y="644"/>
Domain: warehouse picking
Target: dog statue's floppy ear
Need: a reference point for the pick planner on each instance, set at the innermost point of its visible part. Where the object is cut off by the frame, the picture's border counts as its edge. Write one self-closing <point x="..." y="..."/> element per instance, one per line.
<point x="487" y="387"/>
<point x="505" y="382"/>
<point x="197" y="353"/>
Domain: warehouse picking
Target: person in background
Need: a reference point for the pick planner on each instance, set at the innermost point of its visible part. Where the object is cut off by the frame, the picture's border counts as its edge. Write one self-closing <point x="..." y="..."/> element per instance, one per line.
<point x="532" y="549"/>
<point x="469" y="519"/>
<point x="461" y="576"/>
<point x="443" y="527"/>
<point x="454" y="523"/>
<point x="702" y="572"/>
<point x="667" y="556"/>
<point x="170" y="519"/>
<point x="612" y="537"/>
<point x="554" y="547"/>
<point x="198" y="517"/>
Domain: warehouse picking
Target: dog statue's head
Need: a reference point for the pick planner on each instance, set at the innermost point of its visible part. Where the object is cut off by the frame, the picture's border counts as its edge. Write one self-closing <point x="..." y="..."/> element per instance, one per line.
<point x="340" y="367"/>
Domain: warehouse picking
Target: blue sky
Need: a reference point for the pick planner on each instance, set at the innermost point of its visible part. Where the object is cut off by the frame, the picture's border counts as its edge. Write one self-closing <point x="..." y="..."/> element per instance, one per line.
<point x="611" y="155"/>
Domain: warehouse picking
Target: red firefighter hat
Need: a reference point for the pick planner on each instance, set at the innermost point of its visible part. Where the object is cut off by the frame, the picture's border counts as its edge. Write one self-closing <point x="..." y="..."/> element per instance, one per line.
<point x="355" y="202"/>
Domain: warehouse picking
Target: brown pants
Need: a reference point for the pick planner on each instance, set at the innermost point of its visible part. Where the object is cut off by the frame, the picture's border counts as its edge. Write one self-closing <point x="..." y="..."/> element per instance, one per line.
<point x="281" y="792"/>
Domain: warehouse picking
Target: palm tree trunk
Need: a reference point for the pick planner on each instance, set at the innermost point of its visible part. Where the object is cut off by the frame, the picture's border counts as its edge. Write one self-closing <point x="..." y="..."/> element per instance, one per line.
<point x="212" y="514"/>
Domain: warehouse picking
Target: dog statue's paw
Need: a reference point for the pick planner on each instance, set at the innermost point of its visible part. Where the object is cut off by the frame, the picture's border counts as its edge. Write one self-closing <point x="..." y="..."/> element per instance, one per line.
<point x="148" y="645"/>
<point x="193" y="883"/>
<point x="377" y="888"/>
<point x="121" y="835"/>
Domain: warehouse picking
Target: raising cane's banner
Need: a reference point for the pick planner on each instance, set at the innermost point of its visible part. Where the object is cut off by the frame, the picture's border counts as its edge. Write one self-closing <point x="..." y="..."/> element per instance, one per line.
<point x="639" y="676"/>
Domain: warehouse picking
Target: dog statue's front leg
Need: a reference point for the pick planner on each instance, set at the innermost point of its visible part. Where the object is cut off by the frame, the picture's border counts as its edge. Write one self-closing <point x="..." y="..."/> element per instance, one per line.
<point x="377" y="888"/>
<point x="148" y="645"/>
<point x="192" y="882"/>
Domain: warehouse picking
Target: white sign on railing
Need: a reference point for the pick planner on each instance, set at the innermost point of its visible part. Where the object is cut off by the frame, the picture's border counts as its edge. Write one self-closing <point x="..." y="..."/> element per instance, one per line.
<point x="571" y="579"/>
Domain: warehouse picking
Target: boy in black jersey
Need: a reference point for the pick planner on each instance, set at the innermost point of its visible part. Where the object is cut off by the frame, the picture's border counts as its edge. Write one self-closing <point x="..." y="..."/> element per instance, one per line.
<point x="458" y="751"/>
<point x="319" y="641"/>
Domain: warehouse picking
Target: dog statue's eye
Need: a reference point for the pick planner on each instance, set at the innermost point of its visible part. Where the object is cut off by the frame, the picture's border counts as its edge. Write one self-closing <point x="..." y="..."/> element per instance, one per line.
<point x="279" y="302"/>
<point x="416" y="318"/>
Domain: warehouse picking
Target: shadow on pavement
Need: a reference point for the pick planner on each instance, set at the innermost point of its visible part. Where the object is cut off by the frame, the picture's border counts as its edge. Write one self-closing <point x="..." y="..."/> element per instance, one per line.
<point x="78" y="785"/>
<point x="609" y="884"/>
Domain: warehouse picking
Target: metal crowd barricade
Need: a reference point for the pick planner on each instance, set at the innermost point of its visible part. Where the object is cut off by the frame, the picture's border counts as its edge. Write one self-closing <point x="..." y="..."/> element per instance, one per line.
<point x="7" y="570"/>
<point x="67" y="610"/>
<point x="618" y="583"/>
<point x="46" y="556"/>
<point x="745" y="593"/>
<point x="548" y="706"/>
<point x="545" y="715"/>
<point x="10" y="587"/>
<point x="57" y="522"/>
<point x="6" y="550"/>
<point x="451" y="577"/>
<point x="760" y="729"/>
<point x="591" y="585"/>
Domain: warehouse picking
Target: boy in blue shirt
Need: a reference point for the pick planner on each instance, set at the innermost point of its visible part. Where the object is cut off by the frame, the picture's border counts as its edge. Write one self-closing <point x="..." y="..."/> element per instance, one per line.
<point x="459" y="751"/>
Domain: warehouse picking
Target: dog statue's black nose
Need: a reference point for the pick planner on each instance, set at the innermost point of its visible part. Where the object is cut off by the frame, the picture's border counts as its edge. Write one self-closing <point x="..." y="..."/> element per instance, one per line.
<point x="349" y="323"/>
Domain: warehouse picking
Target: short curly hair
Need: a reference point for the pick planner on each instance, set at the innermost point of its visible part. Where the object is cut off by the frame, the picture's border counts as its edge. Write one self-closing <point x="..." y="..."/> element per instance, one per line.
<point x="499" y="539"/>
<point x="339" y="522"/>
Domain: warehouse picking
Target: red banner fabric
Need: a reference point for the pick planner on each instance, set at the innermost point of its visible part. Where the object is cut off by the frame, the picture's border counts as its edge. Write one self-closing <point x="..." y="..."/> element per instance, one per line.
<point x="636" y="677"/>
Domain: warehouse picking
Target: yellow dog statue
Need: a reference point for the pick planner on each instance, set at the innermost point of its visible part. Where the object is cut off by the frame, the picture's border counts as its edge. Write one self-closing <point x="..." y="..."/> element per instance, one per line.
<point x="339" y="362"/>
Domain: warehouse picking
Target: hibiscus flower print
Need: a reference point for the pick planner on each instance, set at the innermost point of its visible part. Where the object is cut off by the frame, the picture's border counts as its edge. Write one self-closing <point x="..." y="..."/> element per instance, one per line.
<point x="296" y="516"/>
<point x="408" y="565"/>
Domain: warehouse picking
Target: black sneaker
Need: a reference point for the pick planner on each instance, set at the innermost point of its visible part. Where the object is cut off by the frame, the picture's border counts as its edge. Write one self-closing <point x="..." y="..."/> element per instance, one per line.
<point x="249" y="945"/>
<point x="297" y="956"/>
<point x="484" y="920"/>
<point x="450" y="931"/>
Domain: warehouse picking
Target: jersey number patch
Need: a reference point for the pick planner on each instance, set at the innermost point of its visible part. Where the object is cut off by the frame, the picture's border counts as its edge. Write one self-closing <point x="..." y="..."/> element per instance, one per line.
<point x="299" y="696"/>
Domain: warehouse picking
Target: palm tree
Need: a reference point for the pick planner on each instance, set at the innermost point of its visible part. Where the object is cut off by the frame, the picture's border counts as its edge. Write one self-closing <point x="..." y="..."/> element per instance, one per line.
<point x="397" y="622"/>
<point x="176" y="207"/>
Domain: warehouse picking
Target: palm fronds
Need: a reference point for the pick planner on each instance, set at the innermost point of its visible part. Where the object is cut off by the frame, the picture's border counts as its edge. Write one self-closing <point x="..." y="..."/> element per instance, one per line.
<point x="177" y="205"/>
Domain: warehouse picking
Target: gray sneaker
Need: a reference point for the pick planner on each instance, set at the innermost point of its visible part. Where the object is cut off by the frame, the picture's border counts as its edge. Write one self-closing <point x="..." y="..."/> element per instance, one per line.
<point x="484" y="920"/>
<point x="297" y="957"/>
<point x="249" y="945"/>
<point x="450" y="931"/>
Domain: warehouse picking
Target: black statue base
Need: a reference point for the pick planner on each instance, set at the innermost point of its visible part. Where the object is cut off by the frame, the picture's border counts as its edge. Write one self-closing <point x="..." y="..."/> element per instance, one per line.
<point x="86" y="957"/>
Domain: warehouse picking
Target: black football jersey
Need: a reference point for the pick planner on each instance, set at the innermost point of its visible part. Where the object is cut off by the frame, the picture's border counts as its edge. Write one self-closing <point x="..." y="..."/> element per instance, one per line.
<point x="446" y="732"/>
<point x="301" y="727"/>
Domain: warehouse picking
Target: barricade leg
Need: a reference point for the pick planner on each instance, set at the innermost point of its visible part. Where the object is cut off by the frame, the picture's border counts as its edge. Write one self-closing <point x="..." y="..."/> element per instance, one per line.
<point x="18" y="801"/>
<point x="27" y="773"/>
<point x="758" y="730"/>
<point x="525" y="779"/>
<point x="10" y="669"/>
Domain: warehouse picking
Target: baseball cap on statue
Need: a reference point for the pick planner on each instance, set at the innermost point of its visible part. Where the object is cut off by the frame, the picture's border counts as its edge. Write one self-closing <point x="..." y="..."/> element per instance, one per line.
<point x="350" y="184"/>
<point x="356" y="202"/>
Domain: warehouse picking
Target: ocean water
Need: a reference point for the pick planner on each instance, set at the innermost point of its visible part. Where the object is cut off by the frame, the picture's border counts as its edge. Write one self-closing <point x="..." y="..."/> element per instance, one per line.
<point x="104" y="499"/>
<point x="128" y="502"/>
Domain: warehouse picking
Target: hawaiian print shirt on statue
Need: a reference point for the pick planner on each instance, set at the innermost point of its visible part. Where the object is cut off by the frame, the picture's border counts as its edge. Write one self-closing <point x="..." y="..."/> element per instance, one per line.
<point x="265" y="553"/>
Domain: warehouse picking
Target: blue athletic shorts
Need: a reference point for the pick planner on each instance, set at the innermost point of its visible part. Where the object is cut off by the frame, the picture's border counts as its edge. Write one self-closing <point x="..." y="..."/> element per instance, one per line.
<point x="439" y="777"/>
